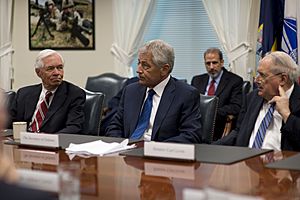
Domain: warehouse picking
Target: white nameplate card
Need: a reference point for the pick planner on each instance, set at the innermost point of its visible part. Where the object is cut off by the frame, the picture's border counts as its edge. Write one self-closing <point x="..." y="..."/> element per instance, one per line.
<point x="47" y="181"/>
<point x="39" y="139"/>
<point x="170" y="170"/>
<point x="169" y="150"/>
<point x="42" y="157"/>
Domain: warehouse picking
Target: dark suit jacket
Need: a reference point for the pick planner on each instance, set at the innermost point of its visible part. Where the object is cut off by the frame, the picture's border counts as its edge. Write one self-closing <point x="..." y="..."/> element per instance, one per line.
<point x="290" y="131"/>
<point x="65" y="114"/>
<point x="229" y="92"/>
<point x="177" y="118"/>
<point x="14" y="192"/>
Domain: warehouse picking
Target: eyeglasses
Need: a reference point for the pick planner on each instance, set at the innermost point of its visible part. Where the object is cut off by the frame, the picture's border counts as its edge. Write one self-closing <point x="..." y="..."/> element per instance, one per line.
<point x="212" y="62"/>
<point x="264" y="77"/>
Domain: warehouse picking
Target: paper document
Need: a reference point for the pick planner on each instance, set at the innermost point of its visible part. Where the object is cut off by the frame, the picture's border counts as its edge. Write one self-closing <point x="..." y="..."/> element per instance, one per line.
<point x="98" y="148"/>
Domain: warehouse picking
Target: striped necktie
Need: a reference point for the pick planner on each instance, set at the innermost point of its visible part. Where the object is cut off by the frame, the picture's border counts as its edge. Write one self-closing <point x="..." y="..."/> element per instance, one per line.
<point x="41" y="113"/>
<point x="260" y="135"/>
<point x="144" y="118"/>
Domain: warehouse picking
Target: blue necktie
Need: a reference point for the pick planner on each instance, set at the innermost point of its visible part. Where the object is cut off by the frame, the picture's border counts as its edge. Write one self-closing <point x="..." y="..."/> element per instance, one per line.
<point x="144" y="118"/>
<point x="263" y="128"/>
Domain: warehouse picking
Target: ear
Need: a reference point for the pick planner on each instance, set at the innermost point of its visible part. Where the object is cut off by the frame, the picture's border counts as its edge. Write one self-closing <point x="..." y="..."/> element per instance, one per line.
<point x="222" y="62"/>
<point x="38" y="72"/>
<point x="165" y="69"/>
<point x="284" y="79"/>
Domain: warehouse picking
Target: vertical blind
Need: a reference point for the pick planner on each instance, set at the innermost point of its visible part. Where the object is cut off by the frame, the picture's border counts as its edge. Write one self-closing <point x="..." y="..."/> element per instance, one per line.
<point x="184" y="24"/>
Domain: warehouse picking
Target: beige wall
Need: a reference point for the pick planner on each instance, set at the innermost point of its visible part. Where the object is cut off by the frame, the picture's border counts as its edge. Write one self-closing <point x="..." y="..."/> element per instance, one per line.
<point x="79" y="64"/>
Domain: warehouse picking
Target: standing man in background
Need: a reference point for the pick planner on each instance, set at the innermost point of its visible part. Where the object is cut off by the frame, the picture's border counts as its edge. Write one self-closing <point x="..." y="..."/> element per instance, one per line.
<point x="221" y="83"/>
<point x="158" y="107"/>
<point x="53" y="106"/>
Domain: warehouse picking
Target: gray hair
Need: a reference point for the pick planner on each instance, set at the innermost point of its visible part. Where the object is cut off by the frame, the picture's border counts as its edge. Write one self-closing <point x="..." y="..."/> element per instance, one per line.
<point x="283" y="63"/>
<point x="43" y="54"/>
<point x="214" y="50"/>
<point x="162" y="53"/>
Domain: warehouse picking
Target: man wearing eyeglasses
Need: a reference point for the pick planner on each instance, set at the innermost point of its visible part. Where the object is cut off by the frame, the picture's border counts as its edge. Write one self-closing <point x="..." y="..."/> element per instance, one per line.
<point x="271" y="117"/>
<point x="221" y="83"/>
<point x="53" y="106"/>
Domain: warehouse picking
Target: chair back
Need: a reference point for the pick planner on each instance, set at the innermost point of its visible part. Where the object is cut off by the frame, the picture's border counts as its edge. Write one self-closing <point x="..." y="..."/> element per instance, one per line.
<point x="10" y="95"/>
<point x="208" y="109"/>
<point x="108" y="83"/>
<point x="245" y="90"/>
<point x="93" y="112"/>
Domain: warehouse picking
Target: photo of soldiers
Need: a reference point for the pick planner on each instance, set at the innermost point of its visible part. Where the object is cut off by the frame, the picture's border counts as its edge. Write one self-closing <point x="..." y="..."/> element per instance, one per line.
<point x="61" y="24"/>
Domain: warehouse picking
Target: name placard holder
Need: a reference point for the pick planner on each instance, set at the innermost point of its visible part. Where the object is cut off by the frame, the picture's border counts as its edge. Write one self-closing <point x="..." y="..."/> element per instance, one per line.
<point x="43" y="157"/>
<point x="170" y="170"/>
<point x="47" y="181"/>
<point x="170" y="150"/>
<point x="39" y="139"/>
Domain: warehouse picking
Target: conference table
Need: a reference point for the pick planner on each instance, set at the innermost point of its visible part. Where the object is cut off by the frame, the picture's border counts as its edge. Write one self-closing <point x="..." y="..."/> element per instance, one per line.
<point x="130" y="177"/>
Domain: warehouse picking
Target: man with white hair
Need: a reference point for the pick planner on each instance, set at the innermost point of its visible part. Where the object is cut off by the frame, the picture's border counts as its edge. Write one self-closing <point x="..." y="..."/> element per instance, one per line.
<point x="55" y="105"/>
<point x="271" y="116"/>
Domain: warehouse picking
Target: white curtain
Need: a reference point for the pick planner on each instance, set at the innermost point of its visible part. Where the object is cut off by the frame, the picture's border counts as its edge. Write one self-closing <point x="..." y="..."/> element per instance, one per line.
<point x="130" y="18"/>
<point x="236" y="24"/>
<point x="6" y="51"/>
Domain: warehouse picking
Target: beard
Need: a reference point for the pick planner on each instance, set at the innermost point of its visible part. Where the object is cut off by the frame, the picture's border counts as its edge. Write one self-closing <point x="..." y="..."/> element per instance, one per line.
<point x="214" y="75"/>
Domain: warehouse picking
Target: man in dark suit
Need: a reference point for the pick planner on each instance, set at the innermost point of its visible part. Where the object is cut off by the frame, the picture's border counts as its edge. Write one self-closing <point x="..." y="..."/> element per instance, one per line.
<point x="226" y="85"/>
<point x="113" y="105"/>
<point x="276" y="81"/>
<point x="175" y="114"/>
<point x="64" y="113"/>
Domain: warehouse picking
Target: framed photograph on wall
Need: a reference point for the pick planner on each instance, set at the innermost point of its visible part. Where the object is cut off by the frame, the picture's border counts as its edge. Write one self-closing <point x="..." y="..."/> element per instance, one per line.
<point x="62" y="24"/>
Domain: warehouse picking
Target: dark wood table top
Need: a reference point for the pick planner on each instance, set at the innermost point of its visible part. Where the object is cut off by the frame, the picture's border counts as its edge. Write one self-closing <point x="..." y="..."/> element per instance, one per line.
<point x="119" y="177"/>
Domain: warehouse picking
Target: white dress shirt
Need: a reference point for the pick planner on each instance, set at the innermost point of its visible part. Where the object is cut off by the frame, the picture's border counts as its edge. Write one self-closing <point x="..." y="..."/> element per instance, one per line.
<point x="159" y="89"/>
<point x="272" y="138"/>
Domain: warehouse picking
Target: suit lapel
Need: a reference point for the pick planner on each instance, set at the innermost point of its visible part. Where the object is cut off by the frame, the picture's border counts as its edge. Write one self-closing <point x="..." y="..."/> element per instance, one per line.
<point x="253" y="111"/>
<point x="32" y="102"/>
<point x="136" y="108"/>
<point x="59" y="98"/>
<point x="295" y="99"/>
<point x="203" y="84"/>
<point x="222" y="84"/>
<point x="164" y="105"/>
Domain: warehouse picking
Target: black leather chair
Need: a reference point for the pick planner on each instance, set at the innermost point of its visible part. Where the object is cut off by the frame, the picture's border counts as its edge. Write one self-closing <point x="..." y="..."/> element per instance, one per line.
<point x="245" y="90"/>
<point x="93" y="112"/>
<point x="108" y="83"/>
<point x="208" y="108"/>
<point x="10" y="95"/>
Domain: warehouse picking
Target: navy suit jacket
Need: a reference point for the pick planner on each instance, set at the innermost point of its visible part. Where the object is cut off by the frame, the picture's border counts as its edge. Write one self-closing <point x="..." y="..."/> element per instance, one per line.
<point x="229" y="92"/>
<point x="290" y="131"/>
<point x="177" y="118"/>
<point x="65" y="114"/>
<point x="15" y="192"/>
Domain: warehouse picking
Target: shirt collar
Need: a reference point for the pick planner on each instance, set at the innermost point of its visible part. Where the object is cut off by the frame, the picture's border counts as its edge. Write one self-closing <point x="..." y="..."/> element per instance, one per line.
<point x="217" y="80"/>
<point x="289" y="91"/>
<point x="44" y="90"/>
<point x="159" y="88"/>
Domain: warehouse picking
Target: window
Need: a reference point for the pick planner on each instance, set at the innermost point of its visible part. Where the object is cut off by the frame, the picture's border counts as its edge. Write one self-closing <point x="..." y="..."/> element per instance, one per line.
<point x="184" y="24"/>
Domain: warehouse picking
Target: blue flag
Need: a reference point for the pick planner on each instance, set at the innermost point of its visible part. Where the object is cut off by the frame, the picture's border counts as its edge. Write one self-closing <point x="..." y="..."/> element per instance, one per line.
<point x="270" y="25"/>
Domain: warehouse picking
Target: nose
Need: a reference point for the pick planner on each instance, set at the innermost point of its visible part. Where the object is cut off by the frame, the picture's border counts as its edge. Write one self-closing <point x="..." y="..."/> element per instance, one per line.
<point x="257" y="80"/>
<point x="210" y="66"/>
<point x="139" y="69"/>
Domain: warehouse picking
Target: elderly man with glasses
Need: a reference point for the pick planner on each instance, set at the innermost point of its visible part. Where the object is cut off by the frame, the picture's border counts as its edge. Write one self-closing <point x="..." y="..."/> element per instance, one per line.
<point x="271" y="117"/>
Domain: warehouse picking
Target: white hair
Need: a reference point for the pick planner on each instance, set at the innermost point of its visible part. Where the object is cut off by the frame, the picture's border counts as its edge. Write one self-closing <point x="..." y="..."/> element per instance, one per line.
<point x="43" y="54"/>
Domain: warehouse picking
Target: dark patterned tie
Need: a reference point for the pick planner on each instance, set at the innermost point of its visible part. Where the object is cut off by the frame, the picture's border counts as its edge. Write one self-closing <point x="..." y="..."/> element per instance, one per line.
<point x="211" y="89"/>
<point x="41" y="113"/>
<point x="263" y="128"/>
<point x="144" y="118"/>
